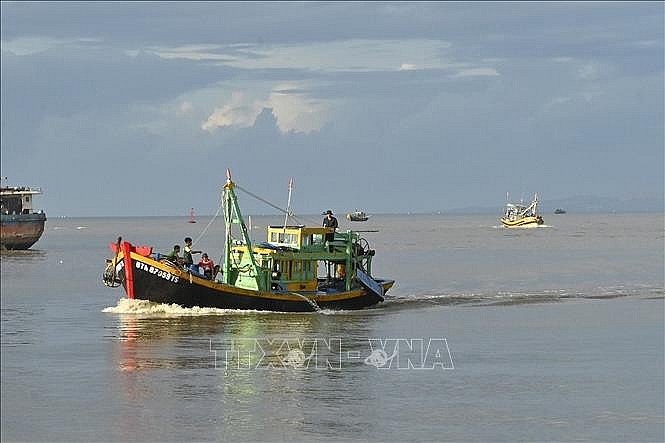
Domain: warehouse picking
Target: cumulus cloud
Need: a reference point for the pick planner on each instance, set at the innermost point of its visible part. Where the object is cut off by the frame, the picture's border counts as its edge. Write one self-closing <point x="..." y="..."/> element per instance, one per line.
<point x="240" y="111"/>
<point x="293" y="109"/>
<point x="296" y="111"/>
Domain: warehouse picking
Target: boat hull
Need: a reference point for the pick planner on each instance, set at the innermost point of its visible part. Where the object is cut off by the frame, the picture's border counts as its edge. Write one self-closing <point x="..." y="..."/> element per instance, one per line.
<point x="357" y="217"/>
<point x="162" y="283"/>
<point x="20" y="231"/>
<point x="525" y="222"/>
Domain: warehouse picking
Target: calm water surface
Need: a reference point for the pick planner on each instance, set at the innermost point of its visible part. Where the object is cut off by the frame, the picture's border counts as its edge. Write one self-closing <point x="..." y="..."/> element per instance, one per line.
<point x="554" y="333"/>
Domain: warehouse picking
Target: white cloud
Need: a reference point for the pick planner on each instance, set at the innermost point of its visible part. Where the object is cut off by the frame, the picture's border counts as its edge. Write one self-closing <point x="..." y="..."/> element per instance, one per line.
<point x="203" y="52"/>
<point x="294" y="111"/>
<point x="185" y="107"/>
<point x="344" y="55"/>
<point x="408" y="67"/>
<point x="477" y="72"/>
<point x="240" y="111"/>
<point x="588" y="72"/>
<point x="556" y="101"/>
<point x="30" y="45"/>
<point x="37" y="44"/>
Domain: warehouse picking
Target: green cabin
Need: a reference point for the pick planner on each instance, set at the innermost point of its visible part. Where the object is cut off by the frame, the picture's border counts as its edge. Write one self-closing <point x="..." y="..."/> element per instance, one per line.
<point x="291" y="257"/>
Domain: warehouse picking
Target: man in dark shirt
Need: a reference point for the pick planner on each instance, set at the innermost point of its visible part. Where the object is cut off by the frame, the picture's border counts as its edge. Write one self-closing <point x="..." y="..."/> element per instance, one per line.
<point x="330" y="222"/>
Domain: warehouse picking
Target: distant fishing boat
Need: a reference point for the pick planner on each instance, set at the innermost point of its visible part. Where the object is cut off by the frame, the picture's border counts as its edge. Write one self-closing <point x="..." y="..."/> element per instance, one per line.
<point x="559" y="211"/>
<point x="192" y="218"/>
<point x="518" y="215"/>
<point x="357" y="216"/>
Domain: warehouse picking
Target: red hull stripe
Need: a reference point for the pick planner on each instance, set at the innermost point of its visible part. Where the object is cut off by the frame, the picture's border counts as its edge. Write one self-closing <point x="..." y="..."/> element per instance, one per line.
<point x="129" y="272"/>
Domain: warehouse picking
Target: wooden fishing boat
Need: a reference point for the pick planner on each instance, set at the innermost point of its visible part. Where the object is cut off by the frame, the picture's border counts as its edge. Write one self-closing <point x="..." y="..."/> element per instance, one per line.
<point x="298" y="268"/>
<point x="357" y="216"/>
<point x="518" y="215"/>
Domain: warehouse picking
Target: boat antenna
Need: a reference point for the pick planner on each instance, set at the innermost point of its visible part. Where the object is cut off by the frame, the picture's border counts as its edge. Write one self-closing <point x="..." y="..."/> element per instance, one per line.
<point x="288" y="204"/>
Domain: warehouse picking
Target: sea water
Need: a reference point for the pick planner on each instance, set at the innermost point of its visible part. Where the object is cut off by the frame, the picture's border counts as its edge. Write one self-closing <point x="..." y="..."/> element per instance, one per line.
<point x="489" y="334"/>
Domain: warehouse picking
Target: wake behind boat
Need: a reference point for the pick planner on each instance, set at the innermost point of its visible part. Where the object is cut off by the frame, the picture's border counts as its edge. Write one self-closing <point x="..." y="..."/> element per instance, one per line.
<point x="518" y="215"/>
<point x="280" y="274"/>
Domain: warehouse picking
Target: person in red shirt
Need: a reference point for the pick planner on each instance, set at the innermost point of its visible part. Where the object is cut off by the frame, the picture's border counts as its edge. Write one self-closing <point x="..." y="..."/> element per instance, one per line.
<point x="207" y="266"/>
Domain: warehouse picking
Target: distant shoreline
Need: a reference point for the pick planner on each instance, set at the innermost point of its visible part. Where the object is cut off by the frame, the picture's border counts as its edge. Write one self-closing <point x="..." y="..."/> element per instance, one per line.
<point x="405" y="214"/>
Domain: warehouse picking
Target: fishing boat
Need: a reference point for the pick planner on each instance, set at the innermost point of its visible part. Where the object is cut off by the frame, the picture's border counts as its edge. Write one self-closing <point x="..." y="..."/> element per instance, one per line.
<point x="357" y="216"/>
<point x="519" y="215"/>
<point x="20" y="225"/>
<point x="297" y="269"/>
<point x="559" y="211"/>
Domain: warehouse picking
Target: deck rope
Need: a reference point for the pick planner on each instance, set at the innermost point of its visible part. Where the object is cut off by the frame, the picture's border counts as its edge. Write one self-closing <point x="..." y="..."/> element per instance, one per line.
<point x="208" y="225"/>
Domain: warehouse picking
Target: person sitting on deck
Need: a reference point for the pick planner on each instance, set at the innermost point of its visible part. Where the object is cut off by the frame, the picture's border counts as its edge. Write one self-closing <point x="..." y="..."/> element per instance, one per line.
<point x="174" y="256"/>
<point x="207" y="265"/>
<point x="216" y="270"/>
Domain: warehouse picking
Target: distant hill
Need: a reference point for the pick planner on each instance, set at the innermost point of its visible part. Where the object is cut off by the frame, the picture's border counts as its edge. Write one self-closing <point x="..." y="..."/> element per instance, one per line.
<point x="579" y="204"/>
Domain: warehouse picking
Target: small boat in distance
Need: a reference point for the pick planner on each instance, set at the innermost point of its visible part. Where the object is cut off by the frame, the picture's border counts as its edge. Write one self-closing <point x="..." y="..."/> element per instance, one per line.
<point x="191" y="217"/>
<point x="357" y="216"/>
<point x="559" y="211"/>
<point x="297" y="269"/>
<point x="20" y="226"/>
<point x="519" y="215"/>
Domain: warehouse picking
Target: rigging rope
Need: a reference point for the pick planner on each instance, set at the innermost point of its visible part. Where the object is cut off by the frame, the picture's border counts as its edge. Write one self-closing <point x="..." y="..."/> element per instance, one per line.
<point x="283" y="211"/>
<point x="221" y="205"/>
<point x="208" y="225"/>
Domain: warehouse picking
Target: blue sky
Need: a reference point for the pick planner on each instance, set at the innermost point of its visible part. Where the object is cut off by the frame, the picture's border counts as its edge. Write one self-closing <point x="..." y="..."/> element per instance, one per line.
<point x="139" y="108"/>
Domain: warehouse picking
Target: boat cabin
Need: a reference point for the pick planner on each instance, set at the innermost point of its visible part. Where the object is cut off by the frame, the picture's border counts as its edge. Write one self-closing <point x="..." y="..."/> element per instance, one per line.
<point x="17" y="200"/>
<point x="290" y="259"/>
<point x="298" y="237"/>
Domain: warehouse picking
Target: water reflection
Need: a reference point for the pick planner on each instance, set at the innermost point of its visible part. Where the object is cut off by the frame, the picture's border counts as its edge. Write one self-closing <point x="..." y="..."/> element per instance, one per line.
<point x="162" y="342"/>
<point x="183" y="359"/>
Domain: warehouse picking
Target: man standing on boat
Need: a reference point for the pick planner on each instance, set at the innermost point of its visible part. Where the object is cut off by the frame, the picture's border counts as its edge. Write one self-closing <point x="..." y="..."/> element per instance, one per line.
<point x="188" y="261"/>
<point x="330" y="222"/>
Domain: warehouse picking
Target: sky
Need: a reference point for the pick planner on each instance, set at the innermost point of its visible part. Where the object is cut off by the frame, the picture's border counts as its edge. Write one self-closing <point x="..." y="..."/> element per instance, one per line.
<point x="138" y="108"/>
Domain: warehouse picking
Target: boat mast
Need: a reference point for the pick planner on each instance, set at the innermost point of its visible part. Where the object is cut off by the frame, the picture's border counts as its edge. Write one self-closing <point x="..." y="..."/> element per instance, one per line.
<point x="288" y="203"/>
<point x="231" y="206"/>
